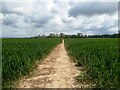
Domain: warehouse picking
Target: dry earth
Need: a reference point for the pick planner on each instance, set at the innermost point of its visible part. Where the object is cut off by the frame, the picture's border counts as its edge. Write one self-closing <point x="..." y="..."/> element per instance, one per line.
<point x="57" y="70"/>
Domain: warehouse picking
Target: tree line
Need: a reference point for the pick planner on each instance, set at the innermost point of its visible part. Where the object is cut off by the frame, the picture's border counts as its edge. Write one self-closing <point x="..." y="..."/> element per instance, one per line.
<point x="79" y="35"/>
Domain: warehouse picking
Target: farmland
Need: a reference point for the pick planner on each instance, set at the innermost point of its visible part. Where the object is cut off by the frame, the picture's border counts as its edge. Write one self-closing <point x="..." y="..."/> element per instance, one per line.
<point x="99" y="57"/>
<point x="20" y="55"/>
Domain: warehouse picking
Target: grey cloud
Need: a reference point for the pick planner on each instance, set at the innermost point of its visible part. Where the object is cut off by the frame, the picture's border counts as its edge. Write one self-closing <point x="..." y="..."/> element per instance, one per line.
<point x="8" y="8"/>
<point x="102" y="30"/>
<point x="93" y="8"/>
<point x="95" y="30"/>
<point x="39" y="22"/>
<point x="27" y="19"/>
<point x="9" y="31"/>
<point x="10" y="20"/>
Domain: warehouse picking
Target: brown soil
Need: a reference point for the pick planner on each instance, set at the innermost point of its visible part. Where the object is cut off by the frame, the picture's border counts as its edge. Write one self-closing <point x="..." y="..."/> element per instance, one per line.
<point x="55" y="71"/>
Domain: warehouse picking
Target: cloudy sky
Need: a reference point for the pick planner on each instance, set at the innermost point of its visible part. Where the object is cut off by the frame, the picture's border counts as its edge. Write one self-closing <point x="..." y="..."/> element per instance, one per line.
<point x="24" y="18"/>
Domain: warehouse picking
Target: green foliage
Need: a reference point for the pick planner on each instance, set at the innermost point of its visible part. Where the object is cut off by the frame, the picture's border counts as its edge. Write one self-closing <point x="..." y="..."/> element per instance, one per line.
<point x="100" y="57"/>
<point x="19" y="56"/>
<point x="84" y="78"/>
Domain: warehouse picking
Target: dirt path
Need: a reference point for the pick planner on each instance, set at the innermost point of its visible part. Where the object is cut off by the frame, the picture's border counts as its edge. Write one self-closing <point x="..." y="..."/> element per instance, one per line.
<point x="56" y="71"/>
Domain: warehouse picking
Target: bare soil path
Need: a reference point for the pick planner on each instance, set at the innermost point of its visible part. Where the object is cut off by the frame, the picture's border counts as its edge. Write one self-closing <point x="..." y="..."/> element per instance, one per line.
<point x="55" y="71"/>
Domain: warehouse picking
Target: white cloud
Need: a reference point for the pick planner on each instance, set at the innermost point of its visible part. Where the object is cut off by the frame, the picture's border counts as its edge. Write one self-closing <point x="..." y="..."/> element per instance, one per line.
<point x="33" y="18"/>
<point x="1" y="18"/>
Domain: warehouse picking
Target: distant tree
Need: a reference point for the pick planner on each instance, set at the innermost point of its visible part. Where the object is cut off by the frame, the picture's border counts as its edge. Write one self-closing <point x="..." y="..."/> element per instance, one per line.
<point x="74" y="36"/>
<point x="52" y="35"/>
<point x="56" y="35"/>
<point x="79" y="35"/>
<point x="119" y="33"/>
<point x="62" y="35"/>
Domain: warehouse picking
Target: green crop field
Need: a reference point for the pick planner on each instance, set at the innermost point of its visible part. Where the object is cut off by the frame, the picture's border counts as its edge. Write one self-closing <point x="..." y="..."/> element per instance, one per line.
<point x="19" y="56"/>
<point x="100" y="58"/>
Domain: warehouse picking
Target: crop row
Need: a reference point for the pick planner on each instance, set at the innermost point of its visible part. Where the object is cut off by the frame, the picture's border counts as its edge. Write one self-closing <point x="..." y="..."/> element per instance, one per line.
<point x="100" y="58"/>
<point x="20" y="55"/>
